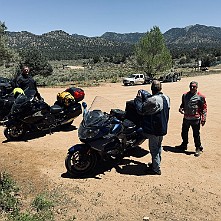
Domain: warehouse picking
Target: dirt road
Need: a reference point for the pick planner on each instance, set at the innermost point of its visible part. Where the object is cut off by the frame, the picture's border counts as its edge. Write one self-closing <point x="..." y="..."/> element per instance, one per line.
<point x="188" y="189"/>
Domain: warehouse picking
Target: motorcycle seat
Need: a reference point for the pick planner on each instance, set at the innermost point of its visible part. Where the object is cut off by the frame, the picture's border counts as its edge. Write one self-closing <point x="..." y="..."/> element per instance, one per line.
<point x="119" y="114"/>
<point x="55" y="109"/>
<point x="129" y="126"/>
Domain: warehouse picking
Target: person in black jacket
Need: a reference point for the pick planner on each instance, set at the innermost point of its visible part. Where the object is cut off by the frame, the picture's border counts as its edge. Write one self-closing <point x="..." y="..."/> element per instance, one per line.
<point x="25" y="81"/>
<point x="155" y="111"/>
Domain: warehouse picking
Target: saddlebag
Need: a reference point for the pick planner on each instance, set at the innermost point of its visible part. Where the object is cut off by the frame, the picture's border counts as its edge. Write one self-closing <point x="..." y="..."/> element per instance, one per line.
<point x="77" y="93"/>
<point x="131" y="113"/>
<point x="74" y="110"/>
<point x="65" y="99"/>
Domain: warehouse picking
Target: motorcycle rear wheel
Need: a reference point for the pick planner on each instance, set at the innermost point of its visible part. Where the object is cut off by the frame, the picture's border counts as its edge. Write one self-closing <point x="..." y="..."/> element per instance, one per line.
<point x="81" y="162"/>
<point x="14" y="132"/>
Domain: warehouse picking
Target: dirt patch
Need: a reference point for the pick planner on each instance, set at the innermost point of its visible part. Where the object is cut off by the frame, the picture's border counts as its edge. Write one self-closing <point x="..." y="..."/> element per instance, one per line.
<point x="188" y="189"/>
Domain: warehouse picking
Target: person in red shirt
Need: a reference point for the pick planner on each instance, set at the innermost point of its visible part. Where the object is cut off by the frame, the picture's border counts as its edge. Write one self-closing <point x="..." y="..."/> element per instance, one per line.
<point x="194" y="110"/>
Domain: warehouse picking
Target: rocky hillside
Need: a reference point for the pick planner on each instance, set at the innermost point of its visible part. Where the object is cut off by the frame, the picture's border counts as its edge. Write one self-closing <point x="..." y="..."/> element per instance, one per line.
<point x="195" y="35"/>
<point x="61" y="45"/>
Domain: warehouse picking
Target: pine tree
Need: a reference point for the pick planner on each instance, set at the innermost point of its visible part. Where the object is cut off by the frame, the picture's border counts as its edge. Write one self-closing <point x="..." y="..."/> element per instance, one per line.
<point x="151" y="53"/>
<point x="5" y="53"/>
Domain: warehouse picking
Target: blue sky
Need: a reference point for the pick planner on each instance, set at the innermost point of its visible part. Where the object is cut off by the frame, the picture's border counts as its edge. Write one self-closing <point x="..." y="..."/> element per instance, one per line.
<point x="95" y="17"/>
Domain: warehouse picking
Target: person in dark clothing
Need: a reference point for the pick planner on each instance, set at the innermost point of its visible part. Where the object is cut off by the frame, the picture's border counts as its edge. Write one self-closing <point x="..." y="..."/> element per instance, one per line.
<point x="155" y="111"/>
<point x="194" y="110"/>
<point x="25" y="81"/>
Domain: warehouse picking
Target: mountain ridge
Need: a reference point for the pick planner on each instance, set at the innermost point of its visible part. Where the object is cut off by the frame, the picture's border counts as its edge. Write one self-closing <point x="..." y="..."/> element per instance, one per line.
<point x="68" y="46"/>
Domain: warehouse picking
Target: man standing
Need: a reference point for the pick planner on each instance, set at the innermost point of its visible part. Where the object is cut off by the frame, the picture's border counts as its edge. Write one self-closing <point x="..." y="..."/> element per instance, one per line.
<point x="25" y="81"/>
<point x="194" y="108"/>
<point x="155" y="110"/>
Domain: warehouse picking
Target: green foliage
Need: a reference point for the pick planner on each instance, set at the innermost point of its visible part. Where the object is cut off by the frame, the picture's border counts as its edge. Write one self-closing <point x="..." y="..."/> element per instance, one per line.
<point x="41" y="202"/>
<point x="36" y="61"/>
<point x="25" y="217"/>
<point x="151" y="53"/>
<point x="28" y="216"/>
<point x="9" y="203"/>
<point x="6" y="54"/>
<point x="8" y="190"/>
<point x="92" y="74"/>
<point x="208" y="60"/>
<point x="59" y="45"/>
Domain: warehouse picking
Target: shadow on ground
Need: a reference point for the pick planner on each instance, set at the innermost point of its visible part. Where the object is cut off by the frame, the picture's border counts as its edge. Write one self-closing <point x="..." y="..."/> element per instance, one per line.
<point x="34" y="135"/>
<point x="123" y="166"/>
<point x="176" y="150"/>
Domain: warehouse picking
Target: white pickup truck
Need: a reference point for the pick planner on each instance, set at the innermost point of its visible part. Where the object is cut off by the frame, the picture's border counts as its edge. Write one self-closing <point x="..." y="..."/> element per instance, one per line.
<point x="136" y="79"/>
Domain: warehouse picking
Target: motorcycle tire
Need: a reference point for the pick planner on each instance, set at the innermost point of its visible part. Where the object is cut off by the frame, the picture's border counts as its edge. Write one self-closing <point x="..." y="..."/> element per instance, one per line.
<point x="14" y="132"/>
<point x="81" y="162"/>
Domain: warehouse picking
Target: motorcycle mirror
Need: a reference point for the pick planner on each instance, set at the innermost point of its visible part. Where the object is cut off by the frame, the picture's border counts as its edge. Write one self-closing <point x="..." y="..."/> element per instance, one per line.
<point x="115" y="121"/>
<point x="84" y="105"/>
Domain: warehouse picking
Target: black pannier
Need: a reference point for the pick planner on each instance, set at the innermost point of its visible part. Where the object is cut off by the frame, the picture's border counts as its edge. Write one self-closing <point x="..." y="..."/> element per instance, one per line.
<point x="131" y="113"/>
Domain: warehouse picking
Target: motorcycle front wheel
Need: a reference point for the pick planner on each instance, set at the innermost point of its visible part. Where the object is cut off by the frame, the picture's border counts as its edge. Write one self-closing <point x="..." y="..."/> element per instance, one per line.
<point x="14" y="132"/>
<point x="81" y="161"/>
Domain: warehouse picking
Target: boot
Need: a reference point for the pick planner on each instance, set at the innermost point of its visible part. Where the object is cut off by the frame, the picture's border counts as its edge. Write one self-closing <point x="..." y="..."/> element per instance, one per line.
<point x="181" y="147"/>
<point x="199" y="150"/>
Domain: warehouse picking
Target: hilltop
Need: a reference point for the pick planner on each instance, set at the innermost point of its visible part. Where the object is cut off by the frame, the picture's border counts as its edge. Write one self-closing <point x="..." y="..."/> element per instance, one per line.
<point x="59" y="45"/>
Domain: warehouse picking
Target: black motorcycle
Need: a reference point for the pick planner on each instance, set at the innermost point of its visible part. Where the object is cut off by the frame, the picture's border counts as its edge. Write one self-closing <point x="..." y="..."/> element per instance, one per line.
<point x="5" y="86"/>
<point x="6" y="97"/>
<point x="6" y="103"/>
<point x="31" y="115"/>
<point x="104" y="136"/>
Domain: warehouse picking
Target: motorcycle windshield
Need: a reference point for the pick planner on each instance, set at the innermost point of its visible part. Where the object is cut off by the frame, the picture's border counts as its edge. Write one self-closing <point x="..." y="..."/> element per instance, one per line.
<point x="23" y="101"/>
<point x="30" y="94"/>
<point x="96" y="118"/>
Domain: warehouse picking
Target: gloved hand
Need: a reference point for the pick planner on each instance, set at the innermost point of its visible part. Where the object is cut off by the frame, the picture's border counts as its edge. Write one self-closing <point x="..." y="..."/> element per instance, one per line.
<point x="40" y="98"/>
<point x="143" y="94"/>
<point x="203" y="122"/>
<point x="181" y="110"/>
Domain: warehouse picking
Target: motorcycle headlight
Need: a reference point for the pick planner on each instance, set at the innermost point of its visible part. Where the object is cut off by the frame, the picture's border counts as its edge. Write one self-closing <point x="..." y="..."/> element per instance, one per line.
<point x="87" y="133"/>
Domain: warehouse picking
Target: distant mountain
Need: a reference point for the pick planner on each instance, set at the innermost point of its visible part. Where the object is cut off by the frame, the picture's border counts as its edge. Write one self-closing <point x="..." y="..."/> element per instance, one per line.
<point x="131" y="38"/>
<point x="195" y="35"/>
<point x="188" y="36"/>
<point x="61" y="45"/>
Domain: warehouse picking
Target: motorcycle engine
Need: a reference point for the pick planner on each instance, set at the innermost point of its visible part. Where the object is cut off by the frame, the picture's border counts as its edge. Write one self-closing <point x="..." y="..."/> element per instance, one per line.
<point x="48" y="122"/>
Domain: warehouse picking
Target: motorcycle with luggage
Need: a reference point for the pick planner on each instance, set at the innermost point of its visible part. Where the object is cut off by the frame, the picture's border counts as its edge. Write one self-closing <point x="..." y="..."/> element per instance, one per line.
<point x="104" y="135"/>
<point x="31" y="115"/>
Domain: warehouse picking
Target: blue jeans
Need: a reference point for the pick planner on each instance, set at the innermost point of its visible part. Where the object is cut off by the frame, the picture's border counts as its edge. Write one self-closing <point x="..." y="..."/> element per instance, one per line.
<point x="155" y="146"/>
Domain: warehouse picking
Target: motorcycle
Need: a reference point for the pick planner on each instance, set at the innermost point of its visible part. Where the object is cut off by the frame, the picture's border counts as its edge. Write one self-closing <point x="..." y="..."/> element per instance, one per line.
<point x="104" y="136"/>
<point x="6" y="97"/>
<point x="6" y="102"/>
<point x="31" y="115"/>
<point x="5" y="86"/>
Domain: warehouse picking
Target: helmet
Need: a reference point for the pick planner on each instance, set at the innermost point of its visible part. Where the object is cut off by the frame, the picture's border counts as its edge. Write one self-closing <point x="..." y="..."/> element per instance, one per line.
<point x="17" y="91"/>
